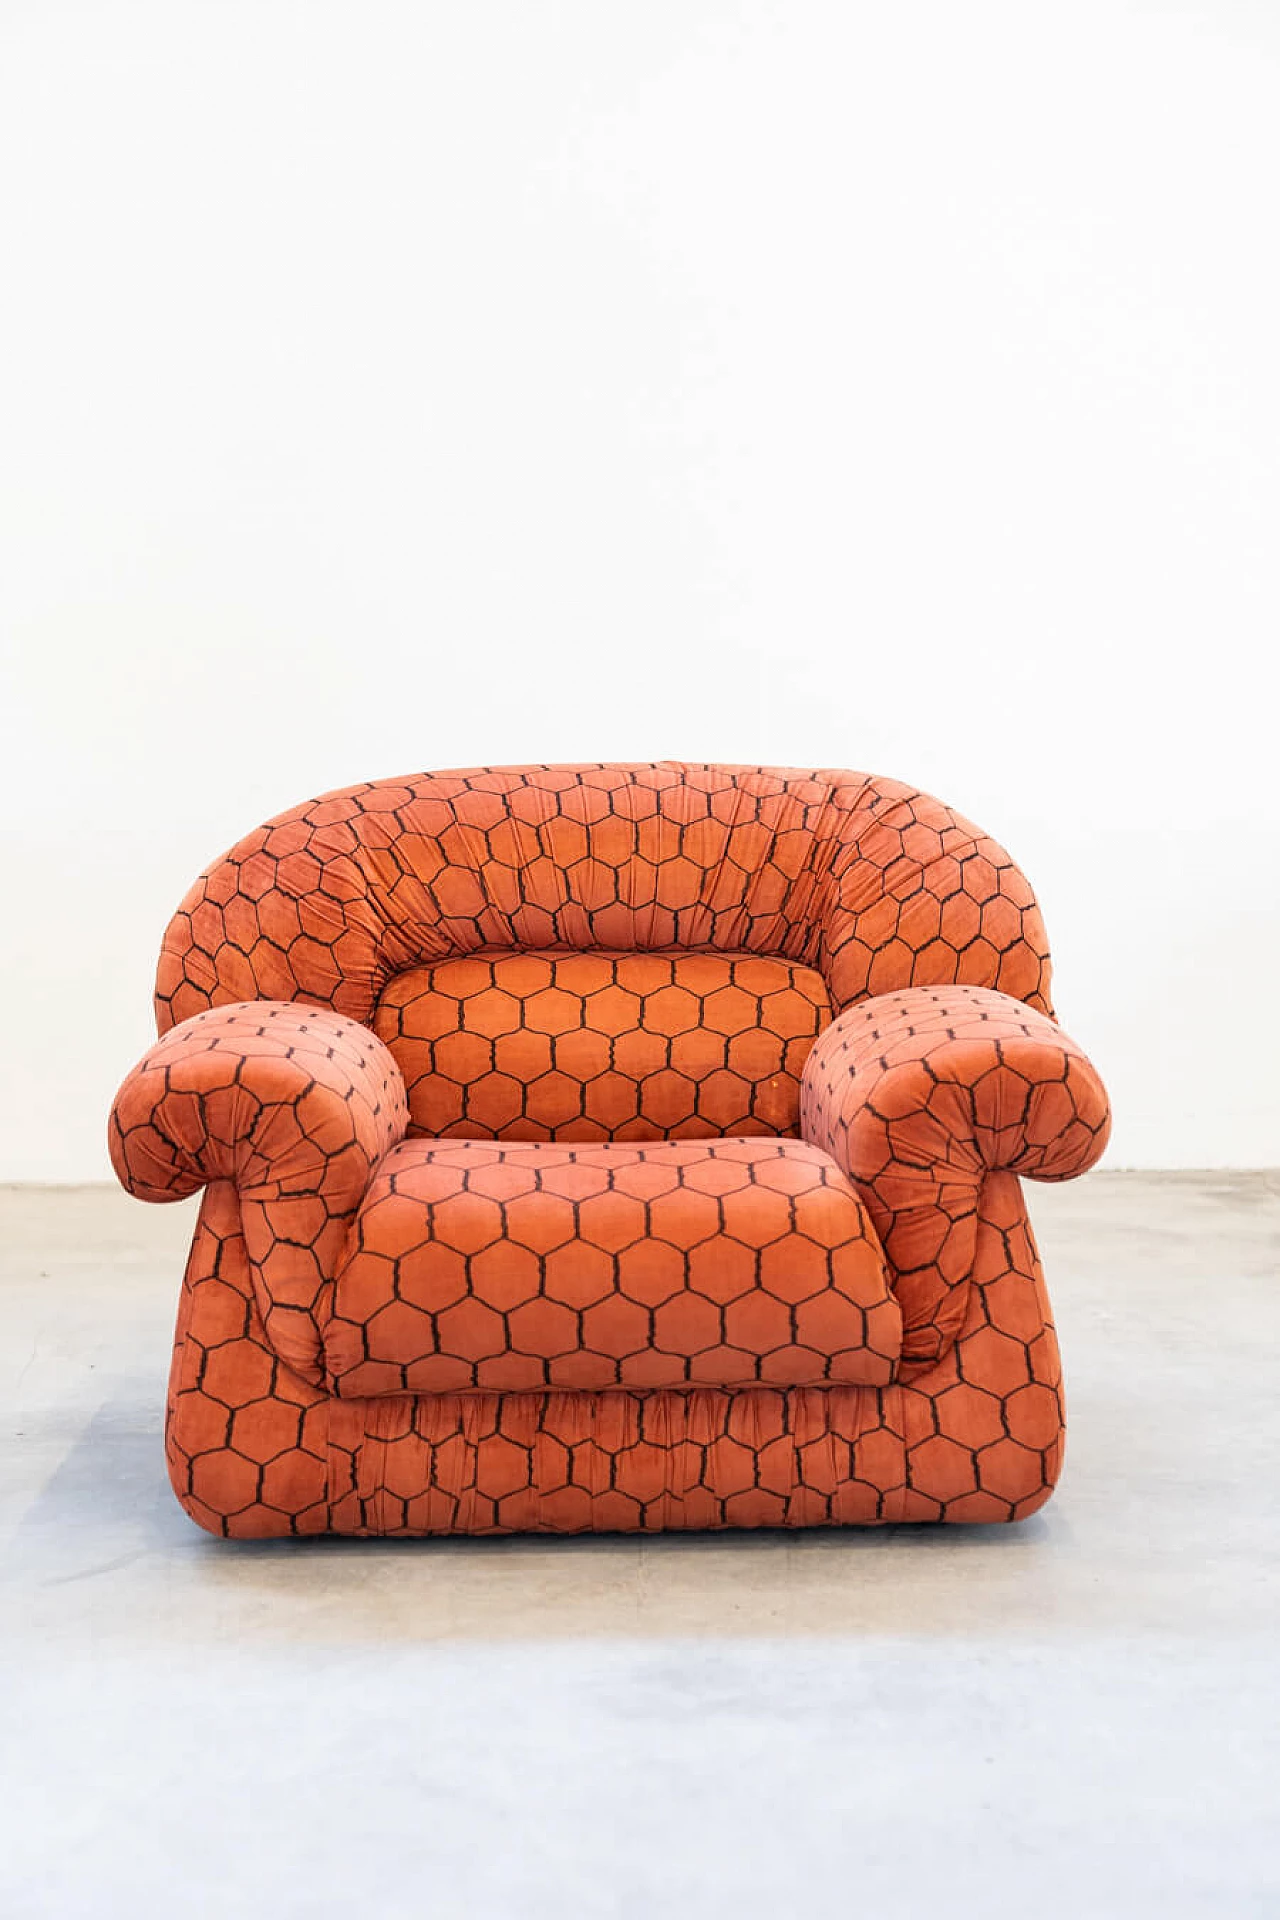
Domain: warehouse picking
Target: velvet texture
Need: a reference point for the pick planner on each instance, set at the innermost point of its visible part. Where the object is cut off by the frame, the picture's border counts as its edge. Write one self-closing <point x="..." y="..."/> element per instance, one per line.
<point x="609" y="1147"/>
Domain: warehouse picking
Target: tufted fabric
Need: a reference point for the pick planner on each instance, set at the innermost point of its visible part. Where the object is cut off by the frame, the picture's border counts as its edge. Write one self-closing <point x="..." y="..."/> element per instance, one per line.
<point x="618" y="1291"/>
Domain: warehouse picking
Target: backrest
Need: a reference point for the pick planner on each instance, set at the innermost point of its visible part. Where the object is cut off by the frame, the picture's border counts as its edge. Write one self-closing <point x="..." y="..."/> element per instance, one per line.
<point x="629" y="951"/>
<point x="603" y="1046"/>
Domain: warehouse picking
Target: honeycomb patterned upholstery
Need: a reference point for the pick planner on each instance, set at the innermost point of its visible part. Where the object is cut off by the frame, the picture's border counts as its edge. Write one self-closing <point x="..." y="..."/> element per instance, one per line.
<point x="701" y="1207"/>
<point x="256" y="1451"/>
<point x="668" y="1265"/>
<point x="603" y="1046"/>
<point x="293" y="1106"/>
<point x="875" y="885"/>
<point x="917" y="1095"/>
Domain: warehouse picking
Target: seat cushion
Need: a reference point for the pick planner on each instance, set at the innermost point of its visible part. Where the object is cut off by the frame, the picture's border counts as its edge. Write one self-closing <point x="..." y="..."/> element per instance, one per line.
<point x="519" y="1265"/>
<point x="603" y="1046"/>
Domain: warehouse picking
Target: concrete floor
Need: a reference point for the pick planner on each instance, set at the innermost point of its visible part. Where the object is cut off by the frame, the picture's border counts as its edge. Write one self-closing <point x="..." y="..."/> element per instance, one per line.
<point x="1074" y="1718"/>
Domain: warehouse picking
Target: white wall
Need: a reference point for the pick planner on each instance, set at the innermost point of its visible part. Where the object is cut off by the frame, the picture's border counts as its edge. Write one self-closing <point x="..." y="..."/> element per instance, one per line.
<point x="393" y="386"/>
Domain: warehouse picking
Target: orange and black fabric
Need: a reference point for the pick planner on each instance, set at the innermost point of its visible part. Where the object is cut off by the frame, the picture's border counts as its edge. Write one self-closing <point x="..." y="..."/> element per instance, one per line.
<point x="603" y="1046"/>
<point x="609" y="1147"/>
<point x="475" y="1265"/>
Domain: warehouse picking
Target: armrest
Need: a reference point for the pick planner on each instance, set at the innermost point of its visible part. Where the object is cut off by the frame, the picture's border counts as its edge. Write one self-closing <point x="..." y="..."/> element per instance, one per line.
<point x="919" y="1095"/>
<point x="295" y="1105"/>
<point x="283" y="1099"/>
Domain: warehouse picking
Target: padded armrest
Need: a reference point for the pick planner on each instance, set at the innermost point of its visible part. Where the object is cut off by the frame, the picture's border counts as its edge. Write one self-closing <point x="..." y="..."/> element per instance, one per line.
<point x="284" y="1099"/>
<point x="918" y="1095"/>
<point x="295" y="1105"/>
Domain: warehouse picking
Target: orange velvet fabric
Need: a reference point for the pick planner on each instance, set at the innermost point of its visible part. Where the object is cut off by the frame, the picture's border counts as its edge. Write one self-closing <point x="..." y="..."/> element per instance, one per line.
<point x="674" y="1264"/>
<point x="255" y="1451"/>
<point x="294" y="1106"/>
<point x="874" y="884"/>
<point x="579" y="914"/>
<point x="603" y="1046"/>
<point x="917" y="1095"/>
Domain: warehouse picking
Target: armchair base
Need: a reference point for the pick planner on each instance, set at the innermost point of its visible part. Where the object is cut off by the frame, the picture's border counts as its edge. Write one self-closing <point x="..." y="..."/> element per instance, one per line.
<point x="255" y="1451"/>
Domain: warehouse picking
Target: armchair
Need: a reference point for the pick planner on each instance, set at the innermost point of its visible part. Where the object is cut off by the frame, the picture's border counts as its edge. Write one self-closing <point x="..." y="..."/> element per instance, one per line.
<point x="606" y="1148"/>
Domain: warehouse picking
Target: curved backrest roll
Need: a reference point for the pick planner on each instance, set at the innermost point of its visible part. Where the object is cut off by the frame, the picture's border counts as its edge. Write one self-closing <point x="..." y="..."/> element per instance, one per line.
<point x="872" y="884"/>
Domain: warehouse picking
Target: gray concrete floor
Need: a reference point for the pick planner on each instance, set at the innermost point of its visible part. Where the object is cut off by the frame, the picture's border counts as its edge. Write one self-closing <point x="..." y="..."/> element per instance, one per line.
<point x="1073" y="1718"/>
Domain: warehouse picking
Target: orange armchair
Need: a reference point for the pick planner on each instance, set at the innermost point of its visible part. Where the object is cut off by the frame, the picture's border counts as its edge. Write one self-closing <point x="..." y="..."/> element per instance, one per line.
<point x="609" y="1147"/>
